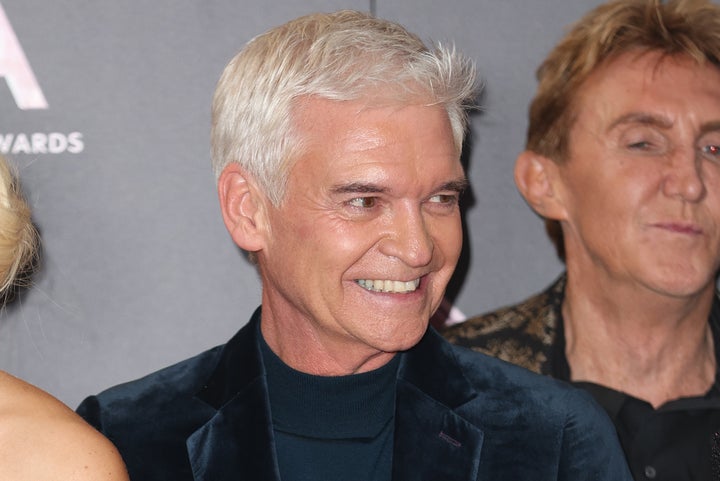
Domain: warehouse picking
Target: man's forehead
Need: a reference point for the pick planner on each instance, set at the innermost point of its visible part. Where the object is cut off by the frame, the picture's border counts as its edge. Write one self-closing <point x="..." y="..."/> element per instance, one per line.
<point x="647" y="88"/>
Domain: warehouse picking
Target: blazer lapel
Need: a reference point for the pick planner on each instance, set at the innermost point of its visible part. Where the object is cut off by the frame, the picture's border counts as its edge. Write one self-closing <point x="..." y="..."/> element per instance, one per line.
<point x="237" y="441"/>
<point x="431" y="440"/>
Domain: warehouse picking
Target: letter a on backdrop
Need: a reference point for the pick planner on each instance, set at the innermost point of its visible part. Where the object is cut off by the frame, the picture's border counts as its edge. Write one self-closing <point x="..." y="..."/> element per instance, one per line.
<point x="15" y="68"/>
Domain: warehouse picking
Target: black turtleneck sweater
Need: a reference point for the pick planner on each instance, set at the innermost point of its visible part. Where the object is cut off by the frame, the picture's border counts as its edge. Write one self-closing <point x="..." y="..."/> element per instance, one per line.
<point x="328" y="428"/>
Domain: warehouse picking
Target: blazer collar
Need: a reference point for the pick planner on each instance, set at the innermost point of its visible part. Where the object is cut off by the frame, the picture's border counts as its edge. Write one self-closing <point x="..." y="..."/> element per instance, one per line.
<point x="432" y="441"/>
<point x="431" y="366"/>
<point x="236" y="442"/>
<point x="240" y="365"/>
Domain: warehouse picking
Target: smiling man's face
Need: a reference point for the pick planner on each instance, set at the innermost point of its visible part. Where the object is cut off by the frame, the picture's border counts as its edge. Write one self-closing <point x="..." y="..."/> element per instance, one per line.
<point x="359" y="253"/>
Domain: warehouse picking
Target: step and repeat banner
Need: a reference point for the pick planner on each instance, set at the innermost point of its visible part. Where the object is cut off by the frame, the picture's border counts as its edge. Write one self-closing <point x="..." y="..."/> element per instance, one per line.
<point x="104" y="110"/>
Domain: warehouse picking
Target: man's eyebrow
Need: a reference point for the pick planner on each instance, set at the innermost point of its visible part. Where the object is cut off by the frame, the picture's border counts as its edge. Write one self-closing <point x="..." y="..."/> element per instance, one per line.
<point x="661" y="122"/>
<point x="358" y="188"/>
<point x="458" y="185"/>
<point x="710" y="127"/>
<point x="642" y="118"/>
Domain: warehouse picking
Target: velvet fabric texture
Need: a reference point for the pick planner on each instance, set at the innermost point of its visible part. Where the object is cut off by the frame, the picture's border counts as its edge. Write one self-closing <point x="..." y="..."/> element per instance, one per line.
<point x="460" y="415"/>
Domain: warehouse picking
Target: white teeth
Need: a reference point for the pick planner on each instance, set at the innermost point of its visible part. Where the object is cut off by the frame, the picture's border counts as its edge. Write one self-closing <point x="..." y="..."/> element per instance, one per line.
<point x="398" y="287"/>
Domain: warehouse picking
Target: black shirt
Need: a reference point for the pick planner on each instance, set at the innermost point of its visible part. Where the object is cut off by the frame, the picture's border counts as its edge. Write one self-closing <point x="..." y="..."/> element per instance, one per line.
<point x="671" y="443"/>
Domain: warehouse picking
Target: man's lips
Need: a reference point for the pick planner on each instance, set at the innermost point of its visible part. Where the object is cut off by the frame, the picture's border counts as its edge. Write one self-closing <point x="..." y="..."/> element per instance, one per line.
<point x="679" y="227"/>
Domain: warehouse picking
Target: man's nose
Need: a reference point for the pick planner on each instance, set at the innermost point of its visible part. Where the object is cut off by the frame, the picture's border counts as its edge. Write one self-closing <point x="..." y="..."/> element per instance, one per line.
<point x="684" y="177"/>
<point x="408" y="239"/>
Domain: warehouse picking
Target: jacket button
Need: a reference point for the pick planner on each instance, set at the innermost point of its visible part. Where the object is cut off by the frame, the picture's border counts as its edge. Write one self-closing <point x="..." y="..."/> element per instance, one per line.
<point x="650" y="472"/>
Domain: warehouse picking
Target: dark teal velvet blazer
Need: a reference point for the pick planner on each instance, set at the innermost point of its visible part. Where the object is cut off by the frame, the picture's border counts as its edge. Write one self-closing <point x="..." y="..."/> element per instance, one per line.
<point x="460" y="415"/>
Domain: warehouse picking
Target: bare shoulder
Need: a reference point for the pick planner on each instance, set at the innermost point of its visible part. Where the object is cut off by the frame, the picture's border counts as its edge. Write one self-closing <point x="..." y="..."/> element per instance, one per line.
<point x="42" y="439"/>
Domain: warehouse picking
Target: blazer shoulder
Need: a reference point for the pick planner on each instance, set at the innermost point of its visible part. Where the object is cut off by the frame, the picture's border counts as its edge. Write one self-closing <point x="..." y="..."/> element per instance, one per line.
<point x="150" y="419"/>
<point x="185" y="375"/>
<point x="534" y="413"/>
<point x="147" y="397"/>
<point x="523" y="389"/>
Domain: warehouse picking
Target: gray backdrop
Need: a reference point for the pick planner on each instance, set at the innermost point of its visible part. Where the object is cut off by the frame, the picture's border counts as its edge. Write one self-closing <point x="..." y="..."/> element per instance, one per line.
<point x="138" y="270"/>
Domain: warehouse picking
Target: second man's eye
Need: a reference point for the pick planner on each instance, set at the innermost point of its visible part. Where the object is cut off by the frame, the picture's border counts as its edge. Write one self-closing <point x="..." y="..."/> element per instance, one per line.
<point x="712" y="151"/>
<point x="640" y="145"/>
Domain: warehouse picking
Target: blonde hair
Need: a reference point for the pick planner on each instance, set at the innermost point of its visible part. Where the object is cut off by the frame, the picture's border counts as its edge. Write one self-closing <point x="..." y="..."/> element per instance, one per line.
<point x="675" y="27"/>
<point x="346" y="55"/>
<point x="18" y="236"/>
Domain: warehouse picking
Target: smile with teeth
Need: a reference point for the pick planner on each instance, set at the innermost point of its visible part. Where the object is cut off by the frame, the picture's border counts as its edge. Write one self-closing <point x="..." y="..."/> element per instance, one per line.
<point x="396" y="287"/>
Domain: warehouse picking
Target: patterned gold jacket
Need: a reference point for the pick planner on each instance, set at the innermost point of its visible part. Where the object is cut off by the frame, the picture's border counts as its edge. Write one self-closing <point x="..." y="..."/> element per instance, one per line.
<point x="524" y="334"/>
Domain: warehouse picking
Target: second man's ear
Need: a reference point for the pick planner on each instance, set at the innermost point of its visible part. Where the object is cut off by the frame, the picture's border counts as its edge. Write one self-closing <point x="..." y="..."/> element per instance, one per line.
<point x="537" y="178"/>
<point x="243" y="207"/>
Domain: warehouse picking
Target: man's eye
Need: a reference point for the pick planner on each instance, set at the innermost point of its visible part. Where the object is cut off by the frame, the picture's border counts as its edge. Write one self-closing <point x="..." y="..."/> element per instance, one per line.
<point x="642" y="145"/>
<point x="712" y="151"/>
<point x="363" y="202"/>
<point x="444" y="199"/>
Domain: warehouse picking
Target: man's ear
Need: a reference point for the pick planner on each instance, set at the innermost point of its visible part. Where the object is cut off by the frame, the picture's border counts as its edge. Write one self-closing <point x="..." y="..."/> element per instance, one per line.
<point x="538" y="180"/>
<point x="242" y="207"/>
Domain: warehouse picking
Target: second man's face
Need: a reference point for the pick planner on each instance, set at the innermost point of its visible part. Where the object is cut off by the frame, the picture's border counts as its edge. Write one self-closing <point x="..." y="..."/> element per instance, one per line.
<point x="369" y="231"/>
<point x="641" y="185"/>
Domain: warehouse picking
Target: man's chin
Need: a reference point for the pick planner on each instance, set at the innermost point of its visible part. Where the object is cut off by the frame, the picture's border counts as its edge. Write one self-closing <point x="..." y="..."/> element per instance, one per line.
<point x="406" y="340"/>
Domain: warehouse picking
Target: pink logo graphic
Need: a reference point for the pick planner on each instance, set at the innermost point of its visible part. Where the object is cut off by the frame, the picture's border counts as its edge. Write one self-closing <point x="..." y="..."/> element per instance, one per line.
<point x="15" y="67"/>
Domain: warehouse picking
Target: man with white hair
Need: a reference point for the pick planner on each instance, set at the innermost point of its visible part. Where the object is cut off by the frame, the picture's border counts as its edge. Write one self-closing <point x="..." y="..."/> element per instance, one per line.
<point x="336" y="141"/>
